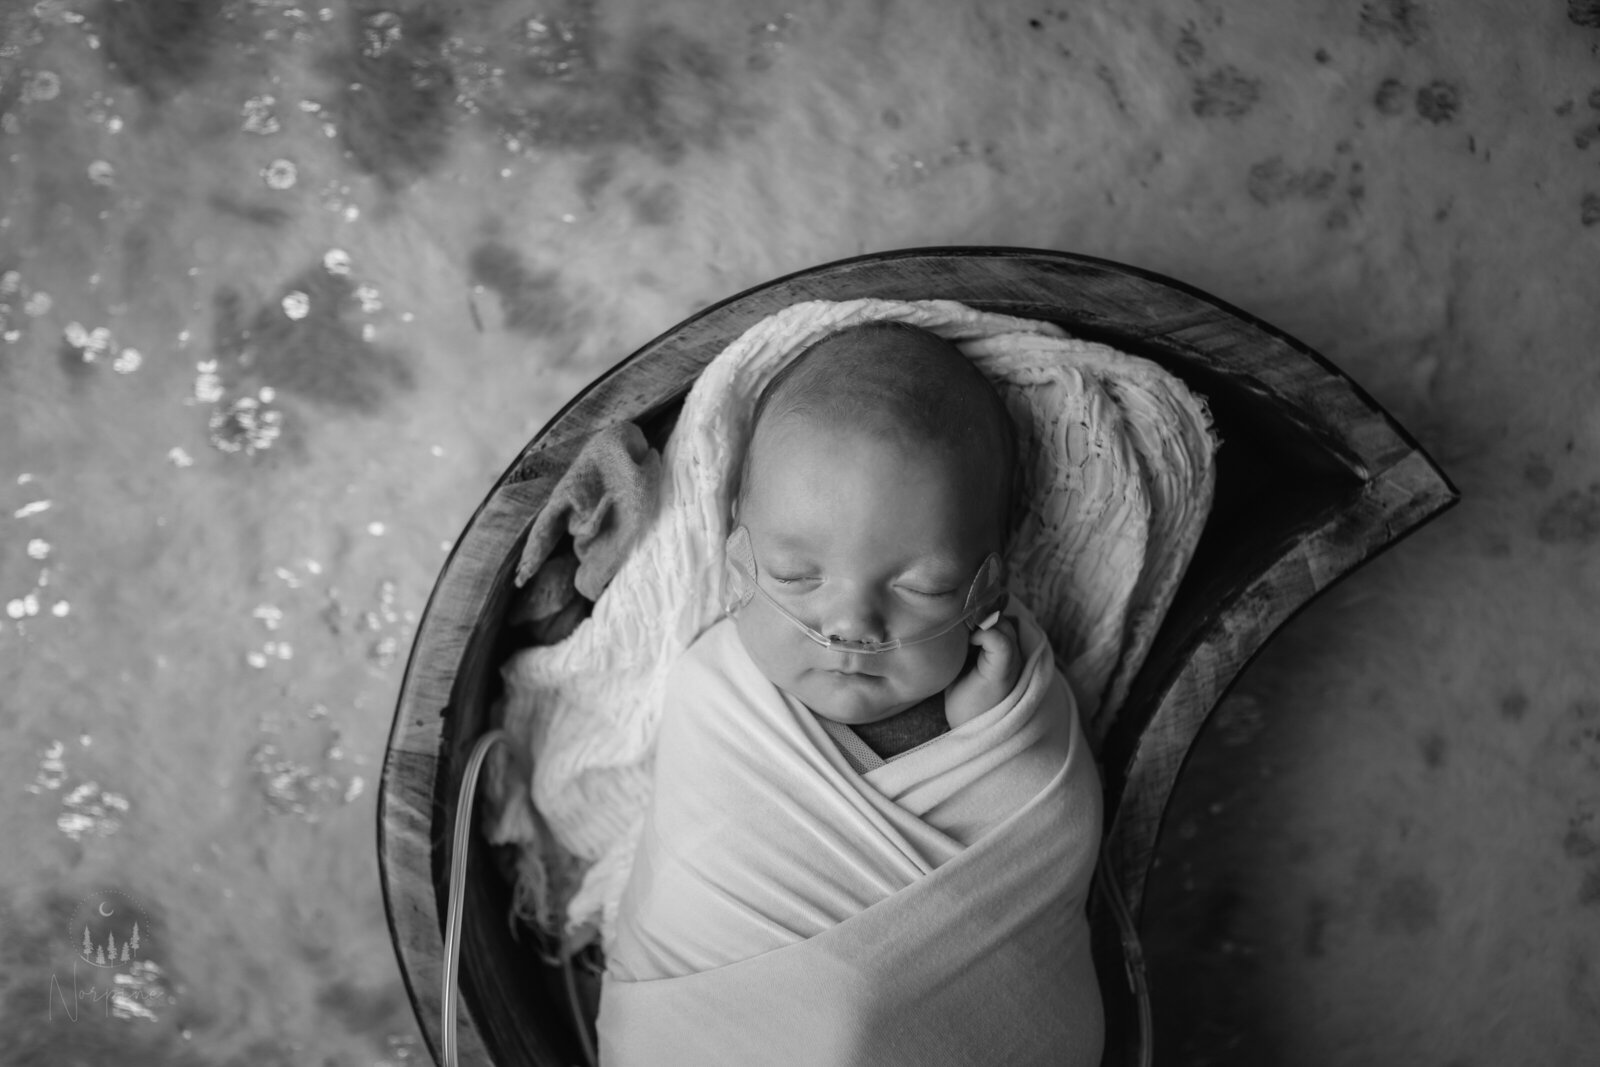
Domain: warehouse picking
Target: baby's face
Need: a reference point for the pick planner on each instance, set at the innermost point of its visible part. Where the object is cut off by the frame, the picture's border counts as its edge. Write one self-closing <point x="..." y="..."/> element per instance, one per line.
<point x="863" y="539"/>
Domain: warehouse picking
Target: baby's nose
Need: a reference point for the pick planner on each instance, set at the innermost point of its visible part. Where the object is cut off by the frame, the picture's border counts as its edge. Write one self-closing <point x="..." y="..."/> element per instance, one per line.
<point x="854" y="615"/>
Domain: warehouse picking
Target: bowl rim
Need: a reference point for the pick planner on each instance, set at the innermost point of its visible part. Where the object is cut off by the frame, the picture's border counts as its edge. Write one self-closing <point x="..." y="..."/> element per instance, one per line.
<point x="1395" y="488"/>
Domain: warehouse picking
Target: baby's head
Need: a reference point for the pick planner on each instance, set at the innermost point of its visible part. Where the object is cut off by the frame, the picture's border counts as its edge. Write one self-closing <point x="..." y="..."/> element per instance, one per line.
<point x="876" y="485"/>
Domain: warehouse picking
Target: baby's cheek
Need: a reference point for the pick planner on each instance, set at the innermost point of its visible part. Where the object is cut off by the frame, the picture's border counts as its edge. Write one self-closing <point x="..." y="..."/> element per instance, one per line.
<point x="770" y="648"/>
<point x="942" y="660"/>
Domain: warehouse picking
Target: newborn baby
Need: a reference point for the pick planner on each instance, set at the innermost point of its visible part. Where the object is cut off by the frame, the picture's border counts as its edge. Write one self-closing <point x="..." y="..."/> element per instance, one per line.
<point x="875" y="815"/>
<point x="873" y="507"/>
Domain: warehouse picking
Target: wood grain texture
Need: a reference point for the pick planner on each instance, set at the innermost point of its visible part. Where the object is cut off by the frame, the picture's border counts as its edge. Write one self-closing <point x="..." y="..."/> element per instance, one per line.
<point x="422" y="770"/>
<point x="1388" y="505"/>
<point x="1313" y="478"/>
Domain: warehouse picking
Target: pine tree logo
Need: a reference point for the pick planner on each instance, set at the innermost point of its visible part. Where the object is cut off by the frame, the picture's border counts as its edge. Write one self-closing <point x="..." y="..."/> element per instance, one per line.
<point x="110" y="929"/>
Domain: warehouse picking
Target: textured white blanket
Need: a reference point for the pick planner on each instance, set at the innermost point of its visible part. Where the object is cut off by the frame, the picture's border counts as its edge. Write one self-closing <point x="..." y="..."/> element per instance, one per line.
<point x="1117" y="480"/>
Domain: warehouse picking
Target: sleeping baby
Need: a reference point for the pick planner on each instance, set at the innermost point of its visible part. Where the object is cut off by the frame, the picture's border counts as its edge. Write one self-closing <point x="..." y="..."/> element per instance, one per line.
<point x="875" y="814"/>
<point x="876" y="490"/>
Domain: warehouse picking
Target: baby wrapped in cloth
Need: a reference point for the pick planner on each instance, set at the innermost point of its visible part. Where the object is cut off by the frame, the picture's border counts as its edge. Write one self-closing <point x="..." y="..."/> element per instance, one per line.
<point x="790" y="898"/>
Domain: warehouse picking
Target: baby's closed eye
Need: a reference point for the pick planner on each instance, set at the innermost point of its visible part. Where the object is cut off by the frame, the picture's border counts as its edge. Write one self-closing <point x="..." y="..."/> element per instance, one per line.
<point x="925" y="591"/>
<point x="922" y="590"/>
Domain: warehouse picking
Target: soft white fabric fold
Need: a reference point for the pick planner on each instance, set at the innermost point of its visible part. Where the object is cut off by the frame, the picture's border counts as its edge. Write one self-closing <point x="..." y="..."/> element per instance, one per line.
<point x="784" y="908"/>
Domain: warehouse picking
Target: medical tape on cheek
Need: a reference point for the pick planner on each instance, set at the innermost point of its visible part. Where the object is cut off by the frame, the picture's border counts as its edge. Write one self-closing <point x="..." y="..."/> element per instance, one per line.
<point x="738" y="571"/>
<point x="987" y="597"/>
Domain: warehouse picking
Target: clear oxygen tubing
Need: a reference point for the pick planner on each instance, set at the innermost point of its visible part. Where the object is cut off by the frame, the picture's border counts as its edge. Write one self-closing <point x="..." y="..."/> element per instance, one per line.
<point x="452" y="927"/>
<point x="1132" y="961"/>
<point x="985" y="598"/>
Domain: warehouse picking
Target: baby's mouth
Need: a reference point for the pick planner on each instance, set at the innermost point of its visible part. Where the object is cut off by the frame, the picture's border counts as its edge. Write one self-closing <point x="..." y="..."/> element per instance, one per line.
<point x="849" y="666"/>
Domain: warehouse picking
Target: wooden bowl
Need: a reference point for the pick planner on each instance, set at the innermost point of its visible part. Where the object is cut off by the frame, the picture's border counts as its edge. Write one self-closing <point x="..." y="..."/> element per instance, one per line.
<point x="1313" y="478"/>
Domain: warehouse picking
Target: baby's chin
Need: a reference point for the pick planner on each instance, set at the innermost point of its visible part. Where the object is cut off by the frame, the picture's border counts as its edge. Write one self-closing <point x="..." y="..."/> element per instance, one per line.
<point x="853" y="701"/>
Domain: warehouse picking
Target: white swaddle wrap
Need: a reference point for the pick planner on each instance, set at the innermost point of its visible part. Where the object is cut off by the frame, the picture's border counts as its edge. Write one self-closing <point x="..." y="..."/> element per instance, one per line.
<point x="763" y="834"/>
<point x="1117" y="476"/>
<point x="785" y="908"/>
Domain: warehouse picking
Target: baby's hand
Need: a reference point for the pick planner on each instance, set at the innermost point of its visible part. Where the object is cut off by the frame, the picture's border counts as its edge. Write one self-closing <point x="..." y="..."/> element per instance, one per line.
<point x="987" y="681"/>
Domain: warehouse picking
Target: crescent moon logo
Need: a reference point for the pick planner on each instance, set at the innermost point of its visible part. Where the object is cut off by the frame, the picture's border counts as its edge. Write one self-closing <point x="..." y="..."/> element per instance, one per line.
<point x="110" y="929"/>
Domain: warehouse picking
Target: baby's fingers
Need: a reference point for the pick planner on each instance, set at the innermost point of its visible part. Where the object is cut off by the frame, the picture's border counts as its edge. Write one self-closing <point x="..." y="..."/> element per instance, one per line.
<point x="992" y="674"/>
<point x="999" y="659"/>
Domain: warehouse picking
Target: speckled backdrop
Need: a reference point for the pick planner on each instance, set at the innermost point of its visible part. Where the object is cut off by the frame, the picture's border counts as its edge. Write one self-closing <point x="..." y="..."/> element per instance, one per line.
<point x="284" y="287"/>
